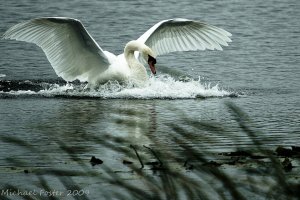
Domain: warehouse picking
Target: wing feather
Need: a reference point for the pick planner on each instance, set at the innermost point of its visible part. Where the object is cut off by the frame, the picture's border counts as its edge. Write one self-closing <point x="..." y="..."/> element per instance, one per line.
<point x="72" y="52"/>
<point x="184" y="35"/>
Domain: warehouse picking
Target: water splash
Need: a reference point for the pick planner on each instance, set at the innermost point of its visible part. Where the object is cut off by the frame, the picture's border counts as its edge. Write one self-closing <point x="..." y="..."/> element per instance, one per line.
<point x="159" y="87"/>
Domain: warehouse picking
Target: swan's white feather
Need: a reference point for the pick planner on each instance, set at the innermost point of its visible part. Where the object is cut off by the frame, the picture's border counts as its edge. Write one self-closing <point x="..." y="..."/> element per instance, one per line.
<point x="184" y="35"/>
<point x="72" y="52"/>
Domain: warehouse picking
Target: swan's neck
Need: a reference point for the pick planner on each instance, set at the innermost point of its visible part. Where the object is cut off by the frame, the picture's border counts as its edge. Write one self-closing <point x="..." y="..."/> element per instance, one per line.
<point x="132" y="47"/>
<point x="137" y="69"/>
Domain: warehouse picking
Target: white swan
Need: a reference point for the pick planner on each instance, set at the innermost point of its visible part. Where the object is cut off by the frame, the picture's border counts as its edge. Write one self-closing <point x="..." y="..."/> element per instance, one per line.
<point x="74" y="54"/>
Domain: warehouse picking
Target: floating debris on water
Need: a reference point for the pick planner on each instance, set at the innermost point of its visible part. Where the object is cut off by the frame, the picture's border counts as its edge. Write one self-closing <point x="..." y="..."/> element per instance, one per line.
<point x="287" y="164"/>
<point x="127" y="162"/>
<point x="95" y="161"/>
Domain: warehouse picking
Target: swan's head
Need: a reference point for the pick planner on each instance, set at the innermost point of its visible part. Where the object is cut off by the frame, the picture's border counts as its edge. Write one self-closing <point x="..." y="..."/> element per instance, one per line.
<point x="149" y="56"/>
<point x="151" y="63"/>
<point x="146" y="53"/>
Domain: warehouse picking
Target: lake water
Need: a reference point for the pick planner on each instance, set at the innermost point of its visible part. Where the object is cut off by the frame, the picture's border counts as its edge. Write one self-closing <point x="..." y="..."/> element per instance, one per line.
<point x="259" y="72"/>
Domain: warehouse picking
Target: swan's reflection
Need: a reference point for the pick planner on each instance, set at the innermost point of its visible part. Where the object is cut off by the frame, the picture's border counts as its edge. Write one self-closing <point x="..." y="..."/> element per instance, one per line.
<point x="134" y="120"/>
<point x="78" y="122"/>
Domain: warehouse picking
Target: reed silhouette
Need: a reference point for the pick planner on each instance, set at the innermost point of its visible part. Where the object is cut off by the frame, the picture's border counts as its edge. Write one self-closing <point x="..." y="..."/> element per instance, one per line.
<point x="190" y="173"/>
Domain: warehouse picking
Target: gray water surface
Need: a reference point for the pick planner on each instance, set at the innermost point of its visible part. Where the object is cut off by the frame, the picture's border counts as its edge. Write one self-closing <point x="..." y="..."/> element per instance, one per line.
<point x="260" y="66"/>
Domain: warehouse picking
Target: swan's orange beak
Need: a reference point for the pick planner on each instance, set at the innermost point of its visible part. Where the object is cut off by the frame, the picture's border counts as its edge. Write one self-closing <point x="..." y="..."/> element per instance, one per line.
<point x="151" y="63"/>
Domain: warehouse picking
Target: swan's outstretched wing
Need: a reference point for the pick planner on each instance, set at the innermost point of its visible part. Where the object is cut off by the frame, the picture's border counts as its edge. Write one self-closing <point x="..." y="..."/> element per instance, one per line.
<point x="184" y="35"/>
<point x="72" y="52"/>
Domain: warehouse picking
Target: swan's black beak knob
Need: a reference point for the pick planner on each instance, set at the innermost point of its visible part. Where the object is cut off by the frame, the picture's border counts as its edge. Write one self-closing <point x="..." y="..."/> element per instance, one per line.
<point x="151" y="63"/>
